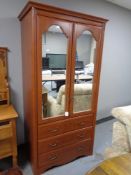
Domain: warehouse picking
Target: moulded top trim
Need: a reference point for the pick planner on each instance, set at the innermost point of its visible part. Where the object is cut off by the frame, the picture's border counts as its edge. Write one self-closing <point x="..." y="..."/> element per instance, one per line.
<point x="49" y="8"/>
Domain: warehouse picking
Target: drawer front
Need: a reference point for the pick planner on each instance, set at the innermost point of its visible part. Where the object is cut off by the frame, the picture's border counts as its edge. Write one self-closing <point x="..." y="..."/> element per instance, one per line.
<point x="5" y="131"/>
<point x="5" y="148"/>
<point x="83" y="122"/>
<point x="45" y="131"/>
<point x="64" y="155"/>
<point x="51" y="144"/>
<point x="57" y="128"/>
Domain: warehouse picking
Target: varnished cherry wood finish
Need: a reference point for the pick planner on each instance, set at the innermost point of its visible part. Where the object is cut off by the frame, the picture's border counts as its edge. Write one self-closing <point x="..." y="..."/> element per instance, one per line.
<point x="72" y="16"/>
<point x="29" y="84"/>
<point x="63" y="140"/>
<point x="50" y="139"/>
<point x="117" y="166"/>
<point x="61" y="127"/>
<point x="55" y="158"/>
<point x="8" y="145"/>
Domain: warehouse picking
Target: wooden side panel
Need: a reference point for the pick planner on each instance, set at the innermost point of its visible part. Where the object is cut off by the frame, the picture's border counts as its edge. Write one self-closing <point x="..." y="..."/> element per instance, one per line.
<point x="29" y="83"/>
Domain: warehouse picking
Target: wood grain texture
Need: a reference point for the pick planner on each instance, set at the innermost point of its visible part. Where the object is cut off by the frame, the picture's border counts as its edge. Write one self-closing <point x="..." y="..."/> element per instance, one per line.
<point x="6" y="131"/>
<point x="7" y="112"/>
<point x="35" y="19"/>
<point x="61" y="127"/>
<point x="60" y="141"/>
<point x="57" y="157"/>
<point x="4" y="90"/>
<point x="8" y="144"/>
<point x="114" y="166"/>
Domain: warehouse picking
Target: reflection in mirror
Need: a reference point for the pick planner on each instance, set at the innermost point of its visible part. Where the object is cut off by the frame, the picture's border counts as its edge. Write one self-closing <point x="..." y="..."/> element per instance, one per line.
<point x="54" y="51"/>
<point x="84" y="69"/>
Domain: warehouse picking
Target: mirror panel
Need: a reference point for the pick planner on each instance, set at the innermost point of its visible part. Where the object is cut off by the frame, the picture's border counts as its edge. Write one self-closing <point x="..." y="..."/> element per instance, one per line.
<point x="84" y="70"/>
<point x="54" y="58"/>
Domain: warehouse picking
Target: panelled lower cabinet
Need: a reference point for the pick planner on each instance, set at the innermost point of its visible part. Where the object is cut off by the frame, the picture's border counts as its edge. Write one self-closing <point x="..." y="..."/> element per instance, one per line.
<point x="61" y="56"/>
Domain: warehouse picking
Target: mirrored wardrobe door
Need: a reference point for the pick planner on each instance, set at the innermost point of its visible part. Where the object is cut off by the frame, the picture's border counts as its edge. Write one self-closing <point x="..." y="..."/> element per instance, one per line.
<point x="54" y="59"/>
<point x="55" y="56"/>
<point x="84" y="63"/>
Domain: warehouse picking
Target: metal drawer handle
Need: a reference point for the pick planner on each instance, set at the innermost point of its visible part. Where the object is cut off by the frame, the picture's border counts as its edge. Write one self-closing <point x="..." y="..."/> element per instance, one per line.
<point x="53" y="130"/>
<point x="53" y="158"/>
<point x="81" y="136"/>
<point x="53" y="144"/>
<point x="82" y="124"/>
<point x="80" y="149"/>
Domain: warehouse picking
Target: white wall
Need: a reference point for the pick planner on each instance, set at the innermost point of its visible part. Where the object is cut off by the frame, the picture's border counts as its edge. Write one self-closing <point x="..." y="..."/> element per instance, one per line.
<point x="115" y="75"/>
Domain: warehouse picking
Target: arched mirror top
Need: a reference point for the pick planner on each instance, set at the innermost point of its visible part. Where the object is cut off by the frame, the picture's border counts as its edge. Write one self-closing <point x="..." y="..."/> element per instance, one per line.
<point x="86" y="46"/>
<point x="88" y="31"/>
<point x="56" y="28"/>
<point x="90" y="35"/>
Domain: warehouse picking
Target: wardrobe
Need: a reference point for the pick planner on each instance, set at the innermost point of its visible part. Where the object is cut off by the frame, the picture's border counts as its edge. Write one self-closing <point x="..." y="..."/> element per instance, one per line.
<point x="61" y="61"/>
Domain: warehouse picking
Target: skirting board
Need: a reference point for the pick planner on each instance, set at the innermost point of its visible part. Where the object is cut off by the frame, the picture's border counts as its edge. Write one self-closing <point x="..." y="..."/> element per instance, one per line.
<point x="104" y="120"/>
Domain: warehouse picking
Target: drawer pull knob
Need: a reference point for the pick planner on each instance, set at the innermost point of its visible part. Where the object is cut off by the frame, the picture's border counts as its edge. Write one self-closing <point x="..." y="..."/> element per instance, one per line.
<point x="53" y="158"/>
<point x="53" y="144"/>
<point x="53" y="130"/>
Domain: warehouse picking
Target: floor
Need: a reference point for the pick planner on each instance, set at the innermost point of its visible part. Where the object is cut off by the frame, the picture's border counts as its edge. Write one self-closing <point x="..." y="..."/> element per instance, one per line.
<point x="79" y="166"/>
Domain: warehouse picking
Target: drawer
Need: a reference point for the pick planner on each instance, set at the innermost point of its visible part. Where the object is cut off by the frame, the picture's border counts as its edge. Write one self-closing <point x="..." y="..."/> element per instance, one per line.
<point x="56" y="142"/>
<point x="57" y="128"/>
<point x="50" y="130"/>
<point x="64" y="155"/>
<point x="5" y="131"/>
<point x="5" y="148"/>
<point x="82" y="122"/>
